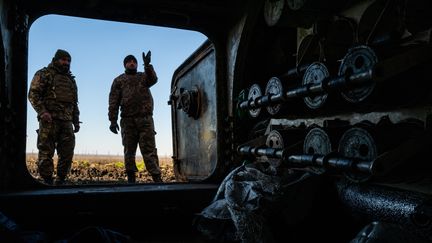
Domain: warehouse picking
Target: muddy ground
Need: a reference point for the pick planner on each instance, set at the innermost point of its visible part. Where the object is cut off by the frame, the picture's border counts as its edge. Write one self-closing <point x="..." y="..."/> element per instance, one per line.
<point x="104" y="169"/>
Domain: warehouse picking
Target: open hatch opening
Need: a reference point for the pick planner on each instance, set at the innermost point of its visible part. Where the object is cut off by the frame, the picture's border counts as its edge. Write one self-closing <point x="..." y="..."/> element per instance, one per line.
<point x="97" y="51"/>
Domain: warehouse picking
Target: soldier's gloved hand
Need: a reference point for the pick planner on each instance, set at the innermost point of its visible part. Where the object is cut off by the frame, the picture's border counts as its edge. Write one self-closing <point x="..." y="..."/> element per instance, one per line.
<point x="46" y="116"/>
<point x="146" y="58"/>
<point x="76" y="128"/>
<point x="114" y="127"/>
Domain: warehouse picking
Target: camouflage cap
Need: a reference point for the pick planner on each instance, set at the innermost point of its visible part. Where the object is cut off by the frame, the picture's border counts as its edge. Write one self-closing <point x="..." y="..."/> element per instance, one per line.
<point x="128" y="58"/>
<point x="61" y="54"/>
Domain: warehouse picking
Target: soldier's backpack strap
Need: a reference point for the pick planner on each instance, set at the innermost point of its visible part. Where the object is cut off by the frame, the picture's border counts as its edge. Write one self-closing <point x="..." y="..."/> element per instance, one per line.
<point x="47" y="76"/>
<point x="48" y="79"/>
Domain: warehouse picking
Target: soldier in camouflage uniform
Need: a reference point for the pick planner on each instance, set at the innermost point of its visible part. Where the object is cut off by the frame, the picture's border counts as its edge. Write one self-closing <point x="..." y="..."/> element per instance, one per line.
<point x="131" y="93"/>
<point x="54" y="96"/>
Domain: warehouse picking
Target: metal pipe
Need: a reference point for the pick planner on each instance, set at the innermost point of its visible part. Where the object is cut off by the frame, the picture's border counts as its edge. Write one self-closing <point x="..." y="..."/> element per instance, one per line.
<point x="261" y="151"/>
<point x="310" y="89"/>
<point x="326" y="161"/>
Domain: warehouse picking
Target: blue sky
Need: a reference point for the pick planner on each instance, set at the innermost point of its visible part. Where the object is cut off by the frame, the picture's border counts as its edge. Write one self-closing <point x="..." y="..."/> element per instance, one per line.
<point x="98" y="48"/>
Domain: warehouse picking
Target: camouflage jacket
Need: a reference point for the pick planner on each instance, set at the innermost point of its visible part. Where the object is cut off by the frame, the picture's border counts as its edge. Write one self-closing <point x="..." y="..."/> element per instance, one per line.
<point x="56" y="93"/>
<point x="131" y="93"/>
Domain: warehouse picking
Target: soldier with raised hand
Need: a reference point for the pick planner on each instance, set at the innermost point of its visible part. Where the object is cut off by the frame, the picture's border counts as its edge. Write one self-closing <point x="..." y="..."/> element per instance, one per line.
<point x="54" y="96"/>
<point x="130" y="92"/>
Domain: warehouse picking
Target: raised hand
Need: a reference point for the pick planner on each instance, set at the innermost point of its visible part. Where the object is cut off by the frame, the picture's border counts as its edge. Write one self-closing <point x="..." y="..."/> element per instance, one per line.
<point x="146" y="58"/>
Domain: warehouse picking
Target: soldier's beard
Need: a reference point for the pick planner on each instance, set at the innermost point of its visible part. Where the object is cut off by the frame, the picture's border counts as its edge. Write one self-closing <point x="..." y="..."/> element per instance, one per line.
<point x="130" y="71"/>
<point x="62" y="68"/>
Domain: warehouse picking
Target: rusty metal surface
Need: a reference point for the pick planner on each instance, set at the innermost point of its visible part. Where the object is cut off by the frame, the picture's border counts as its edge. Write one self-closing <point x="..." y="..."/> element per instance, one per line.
<point x="196" y="147"/>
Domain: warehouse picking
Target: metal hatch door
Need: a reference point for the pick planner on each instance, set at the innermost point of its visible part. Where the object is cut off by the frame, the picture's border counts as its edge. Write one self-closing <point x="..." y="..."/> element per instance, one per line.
<point x="194" y="118"/>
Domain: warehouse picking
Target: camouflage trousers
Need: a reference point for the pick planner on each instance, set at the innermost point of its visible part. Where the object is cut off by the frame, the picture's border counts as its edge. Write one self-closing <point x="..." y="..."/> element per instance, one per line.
<point x="139" y="131"/>
<point x="51" y="136"/>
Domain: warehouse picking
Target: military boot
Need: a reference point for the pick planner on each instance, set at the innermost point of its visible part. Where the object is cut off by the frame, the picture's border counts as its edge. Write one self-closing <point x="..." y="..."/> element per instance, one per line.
<point x="48" y="180"/>
<point x="157" y="178"/>
<point x="131" y="177"/>
<point x="60" y="180"/>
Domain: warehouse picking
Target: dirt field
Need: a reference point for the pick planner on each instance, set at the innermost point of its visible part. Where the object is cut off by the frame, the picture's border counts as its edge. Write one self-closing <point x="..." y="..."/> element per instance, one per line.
<point x="97" y="169"/>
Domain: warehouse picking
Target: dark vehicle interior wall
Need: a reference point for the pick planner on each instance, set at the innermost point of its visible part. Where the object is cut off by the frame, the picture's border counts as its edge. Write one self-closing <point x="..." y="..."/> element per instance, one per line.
<point x="339" y="90"/>
<point x="141" y="211"/>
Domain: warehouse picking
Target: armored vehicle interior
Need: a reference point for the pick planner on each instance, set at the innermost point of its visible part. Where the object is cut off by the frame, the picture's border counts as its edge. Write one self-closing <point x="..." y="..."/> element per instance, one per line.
<point x="331" y="102"/>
